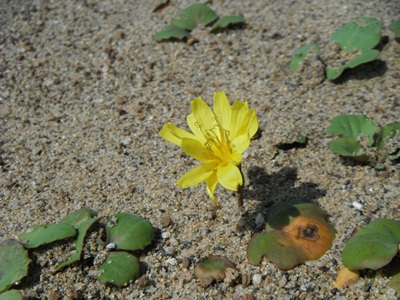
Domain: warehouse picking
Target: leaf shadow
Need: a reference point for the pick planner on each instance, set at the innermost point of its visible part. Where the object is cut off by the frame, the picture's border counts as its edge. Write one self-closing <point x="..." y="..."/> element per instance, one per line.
<point x="271" y="189"/>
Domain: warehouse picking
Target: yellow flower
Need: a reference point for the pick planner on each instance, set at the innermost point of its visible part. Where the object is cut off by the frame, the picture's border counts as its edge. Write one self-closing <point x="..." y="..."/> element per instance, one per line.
<point x="218" y="140"/>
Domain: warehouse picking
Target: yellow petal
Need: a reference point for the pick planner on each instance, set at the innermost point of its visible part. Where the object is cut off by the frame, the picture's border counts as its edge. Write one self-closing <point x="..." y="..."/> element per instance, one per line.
<point x="249" y="124"/>
<point x="211" y="183"/>
<point x="229" y="176"/>
<point x="174" y="134"/>
<point x="239" y="112"/>
<point x="196" y="175"/>
<point x="203" y="114"/>
<point x="241" y="143"/>
<point x="222" y="109"/>
<point x="196" y="150"/>
<point x="195" y="128"/>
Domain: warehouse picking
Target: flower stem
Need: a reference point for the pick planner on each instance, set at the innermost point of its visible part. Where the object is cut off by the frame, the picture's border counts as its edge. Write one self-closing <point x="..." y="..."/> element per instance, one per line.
<point x="240" y="190"/>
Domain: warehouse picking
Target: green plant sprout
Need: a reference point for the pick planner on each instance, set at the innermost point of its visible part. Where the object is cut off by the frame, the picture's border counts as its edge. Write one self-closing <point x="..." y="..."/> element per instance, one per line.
<point x="374" y="246"/>
<point x="198" y="14"/>
<point x="294" y="233"/>
<point x="124" y="231"/>
<point x="395" y="26"/>
<point x="14" y="262"/>
<point x="357" y="134"/>
<point x="355" y="40"/>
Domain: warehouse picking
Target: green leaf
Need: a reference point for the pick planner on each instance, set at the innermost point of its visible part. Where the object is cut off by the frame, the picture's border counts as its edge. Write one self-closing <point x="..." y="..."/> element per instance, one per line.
<point x="129" y="232"/>
<point x="14" y="263"/>
<point x="300" y="54"/>
<point x="226" y="21"/>
<point x="84" y="226"/>
<point x="353" y="126"/>
<point x="119" y="268"/>
<point x="388" y="131"/>
<point x="185" y="22"/>
<point x="361" y="34"/>
<point x="78" y="217"/>
<point x="364" y="57"/>
<point x="373" y="246"/>
<point x="200" y="14"/>
<point x="40" y="235"/>
<point x="395" y="26"/>
<point x="172" y="32"/>
<point x="11" y="295"/>
<point x="345" y="146"/>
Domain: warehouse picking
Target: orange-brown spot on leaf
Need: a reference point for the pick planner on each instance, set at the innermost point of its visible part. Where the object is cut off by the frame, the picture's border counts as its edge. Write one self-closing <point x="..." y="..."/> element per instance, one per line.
<point x="310" y="235"/>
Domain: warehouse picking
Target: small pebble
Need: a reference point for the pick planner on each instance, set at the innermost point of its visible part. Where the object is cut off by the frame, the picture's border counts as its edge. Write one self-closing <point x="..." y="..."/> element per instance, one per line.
<point x="357" y="205"/>
<point x="172" y="261"/>
<point x="256" y="278"/>
<point x="165" y="234"/>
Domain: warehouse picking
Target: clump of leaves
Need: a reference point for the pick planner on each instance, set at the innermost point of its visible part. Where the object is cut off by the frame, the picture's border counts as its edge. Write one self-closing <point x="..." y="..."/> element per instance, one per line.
<point x="14" y="263"/>
<point x="355" y="43"/>
<point x="357" y="134"/>
<point x="294" y="233"/>
<point x="124" y="231"/>
<point x="198" y="14"/>
<point x="374" y="246"/>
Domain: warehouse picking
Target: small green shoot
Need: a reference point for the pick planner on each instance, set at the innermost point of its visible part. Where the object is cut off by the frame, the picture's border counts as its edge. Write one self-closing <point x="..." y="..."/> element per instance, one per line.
<point x="14" y="262"/>
<point x="40" y="235"/>
<point x="373" y="246"/>
<point x="129" y="232"/>
<point x="357" y="133"/>
<point x="119" y="268"/>
<point x="395" y="26"/>
<point x="356" y="41"/>
<point x="295" y="233"/>
<point x="359" y="37"/>
<point x="11" y="295"/>
<point x="213" y="266"/>
<point x="225" y="22"/>
<point x="198" y="14"/>
<point x="300" y="54"/>
<point x="172" y="32"/>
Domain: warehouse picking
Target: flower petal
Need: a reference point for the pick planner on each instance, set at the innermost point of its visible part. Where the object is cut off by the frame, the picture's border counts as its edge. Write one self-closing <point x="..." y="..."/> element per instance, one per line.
<point x="241" y="143"/>
<point x="222" y="109"/>
<point x="174" y="134"/>
<point x="249" y="124"/>
<point x="229" y="176"/>
<point x="239" y="112"/>
<point x="203" y="114"/>
<point x="211" y="184"/>
<point x="197" y="150"/>
<point x="195" y="128"/>
<point x="196" y="175"/>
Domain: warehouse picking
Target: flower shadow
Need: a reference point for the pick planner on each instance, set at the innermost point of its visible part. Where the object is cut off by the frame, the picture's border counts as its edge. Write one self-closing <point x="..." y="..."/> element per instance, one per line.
<point x="270" y="189"/>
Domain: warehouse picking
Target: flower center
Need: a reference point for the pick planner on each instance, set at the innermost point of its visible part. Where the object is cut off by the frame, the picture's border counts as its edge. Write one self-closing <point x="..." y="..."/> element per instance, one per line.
<point x="219" y="145"/>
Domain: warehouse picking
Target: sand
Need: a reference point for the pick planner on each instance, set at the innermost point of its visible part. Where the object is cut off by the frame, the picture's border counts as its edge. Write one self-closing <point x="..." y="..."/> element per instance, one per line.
<point x="85" y="89"/>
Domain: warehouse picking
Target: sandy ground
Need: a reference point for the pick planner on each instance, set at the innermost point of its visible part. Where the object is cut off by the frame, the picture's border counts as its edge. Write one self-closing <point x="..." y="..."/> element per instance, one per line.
<point x="85" y="89"/>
